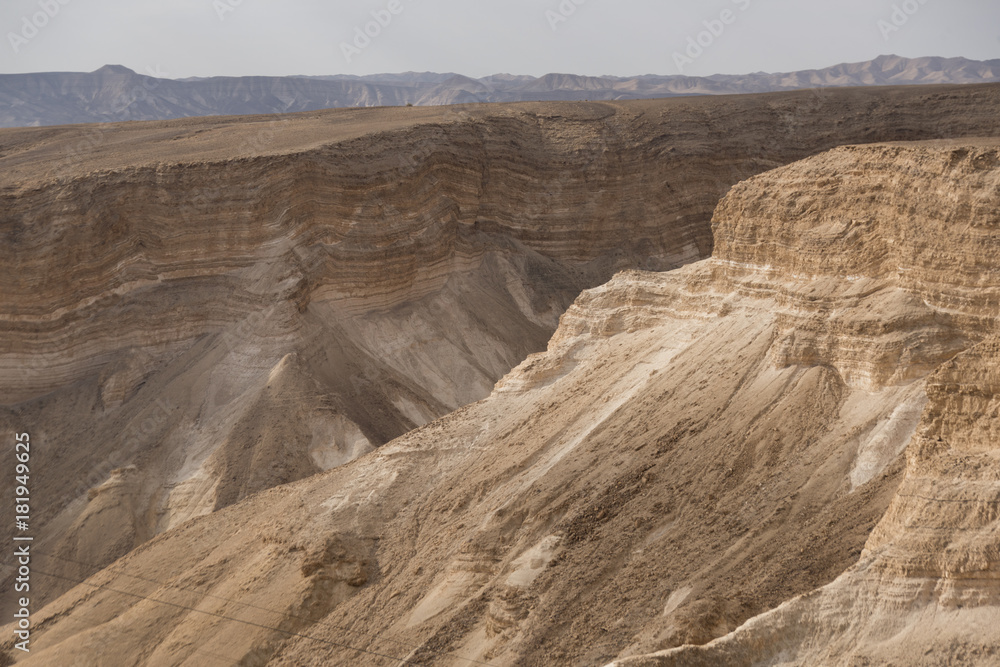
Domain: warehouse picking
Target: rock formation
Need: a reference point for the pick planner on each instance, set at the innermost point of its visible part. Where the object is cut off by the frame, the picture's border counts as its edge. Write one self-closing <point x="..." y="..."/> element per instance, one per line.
<point x="925" y="588"/>
<point x="196" y="256"/>
<point x="781" y="453"/>
<point x="223" y="306"/>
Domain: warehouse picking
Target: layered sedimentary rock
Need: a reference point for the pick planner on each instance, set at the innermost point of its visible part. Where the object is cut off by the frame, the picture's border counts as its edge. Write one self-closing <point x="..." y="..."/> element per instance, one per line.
<point x="926" y="589"/>
<point x="792" y="438"/>
<point x="199" y="310"/>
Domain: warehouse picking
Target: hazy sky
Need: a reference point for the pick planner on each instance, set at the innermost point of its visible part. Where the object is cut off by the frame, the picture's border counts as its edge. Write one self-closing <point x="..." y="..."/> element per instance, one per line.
<point x="180" y="38"/>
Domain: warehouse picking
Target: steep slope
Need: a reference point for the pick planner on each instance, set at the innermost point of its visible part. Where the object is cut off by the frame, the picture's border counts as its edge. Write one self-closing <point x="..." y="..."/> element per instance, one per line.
<point x="694" y="448"/>
<point x="925" y="590"/>
<point x="115" y="93"/>
<point x="210" y="308"/>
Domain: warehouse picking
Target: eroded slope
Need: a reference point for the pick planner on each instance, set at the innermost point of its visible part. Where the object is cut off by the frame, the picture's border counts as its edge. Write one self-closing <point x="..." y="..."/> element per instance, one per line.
<point x="925" y="589"/>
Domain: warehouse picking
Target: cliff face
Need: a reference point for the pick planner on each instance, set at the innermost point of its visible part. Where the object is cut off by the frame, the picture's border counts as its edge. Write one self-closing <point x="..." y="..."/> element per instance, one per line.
<point x="925" y="589"/>
<point x="694" y="448"/>
<point x="849" y="216"/>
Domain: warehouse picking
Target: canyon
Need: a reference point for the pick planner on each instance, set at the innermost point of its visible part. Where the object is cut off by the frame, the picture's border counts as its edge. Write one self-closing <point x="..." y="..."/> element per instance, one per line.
<point x="678" y="381"/>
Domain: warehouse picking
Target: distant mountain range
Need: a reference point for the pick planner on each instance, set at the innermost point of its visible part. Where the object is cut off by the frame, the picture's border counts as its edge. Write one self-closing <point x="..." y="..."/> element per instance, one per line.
<point x="116" y="93"/>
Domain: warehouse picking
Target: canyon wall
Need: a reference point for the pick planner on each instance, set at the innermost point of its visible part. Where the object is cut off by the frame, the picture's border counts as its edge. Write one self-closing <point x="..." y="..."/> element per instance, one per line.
<point x="924" y="590"/>
<point x="779" y="454"/>
<point x="199" y="310"/>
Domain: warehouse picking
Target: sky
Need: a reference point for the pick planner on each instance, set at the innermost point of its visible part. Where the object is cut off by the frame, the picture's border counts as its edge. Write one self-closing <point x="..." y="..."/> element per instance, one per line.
<point x="184" y="38"/>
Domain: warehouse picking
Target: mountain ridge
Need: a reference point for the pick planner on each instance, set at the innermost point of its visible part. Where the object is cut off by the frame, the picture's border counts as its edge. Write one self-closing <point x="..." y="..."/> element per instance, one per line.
<point x="117" y="93"/>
